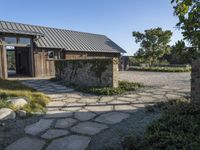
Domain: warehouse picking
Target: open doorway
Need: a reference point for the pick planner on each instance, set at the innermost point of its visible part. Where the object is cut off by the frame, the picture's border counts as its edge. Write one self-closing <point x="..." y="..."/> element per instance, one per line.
<point x="18" y="61"/>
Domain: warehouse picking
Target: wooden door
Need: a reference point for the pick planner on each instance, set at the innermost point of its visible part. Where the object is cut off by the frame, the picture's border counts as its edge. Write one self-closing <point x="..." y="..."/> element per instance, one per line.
<point x="22" y="56"/>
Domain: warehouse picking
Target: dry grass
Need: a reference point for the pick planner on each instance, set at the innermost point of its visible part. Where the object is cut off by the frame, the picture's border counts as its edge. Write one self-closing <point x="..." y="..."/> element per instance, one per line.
<point x="37" y="100"/>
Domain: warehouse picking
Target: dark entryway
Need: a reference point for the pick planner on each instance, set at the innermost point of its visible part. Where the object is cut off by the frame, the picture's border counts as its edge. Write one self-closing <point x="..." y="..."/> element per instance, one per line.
<point x="18" y="59"/>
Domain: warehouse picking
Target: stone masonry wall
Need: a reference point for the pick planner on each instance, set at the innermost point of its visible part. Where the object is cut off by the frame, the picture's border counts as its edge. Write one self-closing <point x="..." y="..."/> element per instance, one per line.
<point x="195" y="81"/>
<point x="88" y="72"/>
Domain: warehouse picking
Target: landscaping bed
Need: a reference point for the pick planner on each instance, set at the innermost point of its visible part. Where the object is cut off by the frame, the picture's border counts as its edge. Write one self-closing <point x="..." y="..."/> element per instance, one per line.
<point x="36" y="101"/>
<point x="124" y="86"/>
<point x="160" y="69"/>
<point x="177" y="128"/>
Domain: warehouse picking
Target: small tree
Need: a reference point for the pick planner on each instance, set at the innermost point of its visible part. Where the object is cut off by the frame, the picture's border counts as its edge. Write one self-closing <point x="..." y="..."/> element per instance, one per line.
<point x="154" y="43"/>
<point x="188" y="12"/>
<point x="178" y="54"/>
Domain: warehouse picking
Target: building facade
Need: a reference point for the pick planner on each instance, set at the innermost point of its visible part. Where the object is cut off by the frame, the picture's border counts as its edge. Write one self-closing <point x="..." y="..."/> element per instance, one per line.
<point x="30" y="50"/>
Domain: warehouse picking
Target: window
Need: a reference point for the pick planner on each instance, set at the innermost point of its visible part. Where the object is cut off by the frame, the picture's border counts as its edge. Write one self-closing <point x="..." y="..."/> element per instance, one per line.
<point x="11" y="40"/>
<point x="55" y="54"/>
<point x="16" y="40"/>
<point x="26" y="41"/>
<point x="10" y="47"/>
<point x="51" y="55"/>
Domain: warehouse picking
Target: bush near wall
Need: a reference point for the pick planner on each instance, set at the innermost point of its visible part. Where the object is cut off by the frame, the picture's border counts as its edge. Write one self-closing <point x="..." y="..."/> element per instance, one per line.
<point x="124" y="86"/>
<point x="161" y="69"/>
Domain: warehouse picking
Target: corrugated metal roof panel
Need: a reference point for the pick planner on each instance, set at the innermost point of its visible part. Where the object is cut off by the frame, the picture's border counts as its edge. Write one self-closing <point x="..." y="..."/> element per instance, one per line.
<point x="65" y="39"/>
<point x="2" y="30"/>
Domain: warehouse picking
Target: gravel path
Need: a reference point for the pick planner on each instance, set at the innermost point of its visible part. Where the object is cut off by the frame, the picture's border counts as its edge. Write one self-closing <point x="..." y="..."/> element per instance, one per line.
<point x="179" y="80"/>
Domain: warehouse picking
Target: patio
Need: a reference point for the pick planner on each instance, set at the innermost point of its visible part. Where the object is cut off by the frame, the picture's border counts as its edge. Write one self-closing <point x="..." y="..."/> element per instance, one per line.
<point x="74" y="119"/>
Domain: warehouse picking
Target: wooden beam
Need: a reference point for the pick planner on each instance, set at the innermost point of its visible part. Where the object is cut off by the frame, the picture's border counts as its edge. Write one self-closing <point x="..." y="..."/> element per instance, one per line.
<point x="4" y="61"/>
<point x="32" y="64"/>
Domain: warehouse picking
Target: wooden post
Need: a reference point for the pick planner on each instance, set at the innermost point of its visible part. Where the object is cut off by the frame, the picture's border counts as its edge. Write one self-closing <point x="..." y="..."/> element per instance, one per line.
<point x="3" y="59"/>
<point x="32" y="64"/>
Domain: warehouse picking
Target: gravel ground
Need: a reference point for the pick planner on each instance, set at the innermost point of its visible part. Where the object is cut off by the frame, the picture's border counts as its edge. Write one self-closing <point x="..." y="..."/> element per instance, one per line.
<point x="12" y="130"/>
<point x="181" y="80"/>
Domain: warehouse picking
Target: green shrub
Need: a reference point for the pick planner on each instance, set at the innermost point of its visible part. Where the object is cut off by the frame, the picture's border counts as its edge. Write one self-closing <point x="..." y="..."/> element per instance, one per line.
<point x="102" y="91"/>
<point x="5" y="104"/>
<point x="124" y="86"/>
<point x="178" y="128"/>
<point x="129" y="86"/>
<point x="4" y="96"/>
<point x="161" y="69"/>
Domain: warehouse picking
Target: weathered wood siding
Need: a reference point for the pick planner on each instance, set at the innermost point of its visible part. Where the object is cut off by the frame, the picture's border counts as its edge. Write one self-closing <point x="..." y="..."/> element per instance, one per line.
<point x="46" y="67"/>
<point x="43" y="65"/>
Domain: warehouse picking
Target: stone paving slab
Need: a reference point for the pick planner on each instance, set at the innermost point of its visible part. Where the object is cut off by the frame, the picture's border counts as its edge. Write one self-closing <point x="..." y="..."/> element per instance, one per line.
<point x="173" y="96"/>
<point x="65" y="123"/>
<point x="88" y="128"/>
<point x="71" y="109"/>
<point x="99" y="109"/>
<point x="55" y="104"/>
<point x="58" y="114"/>
<point x="84" y="116"/>
<point x="106" y="99"/>
<point x="54" y="133"/>
<point x="26" y="143"/>
<point x="126" y="108"/>
<point x="73" y="142"/>
<point x="39" y="126"/>
<point x="112" y="117"/>
<point x="146" y="99"/>
<point x="88" y="100"/>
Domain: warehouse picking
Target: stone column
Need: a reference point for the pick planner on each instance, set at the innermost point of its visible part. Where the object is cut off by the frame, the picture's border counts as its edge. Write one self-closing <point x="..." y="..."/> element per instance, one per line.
<point x="195" y="82"/>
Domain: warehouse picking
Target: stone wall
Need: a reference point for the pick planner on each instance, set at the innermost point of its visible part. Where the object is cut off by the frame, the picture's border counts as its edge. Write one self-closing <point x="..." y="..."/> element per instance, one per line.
<point x="195" y="82"/>
<point x="88" y="72"/>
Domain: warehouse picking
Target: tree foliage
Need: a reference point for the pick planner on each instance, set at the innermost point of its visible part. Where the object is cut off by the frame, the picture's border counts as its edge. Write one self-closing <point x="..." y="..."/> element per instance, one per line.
<point x="180" y="54"/>
<point x="188" y="12"/>
<point x="154" y="44"/>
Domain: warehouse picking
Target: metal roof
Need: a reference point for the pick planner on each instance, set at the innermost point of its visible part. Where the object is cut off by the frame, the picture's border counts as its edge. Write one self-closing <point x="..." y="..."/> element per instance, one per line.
<point x="64" y="39"/>
<point x="11" y="31"/>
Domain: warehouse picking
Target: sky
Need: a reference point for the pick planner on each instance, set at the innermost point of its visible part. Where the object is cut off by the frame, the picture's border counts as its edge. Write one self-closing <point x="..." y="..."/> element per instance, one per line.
<point x="116" y="19"/>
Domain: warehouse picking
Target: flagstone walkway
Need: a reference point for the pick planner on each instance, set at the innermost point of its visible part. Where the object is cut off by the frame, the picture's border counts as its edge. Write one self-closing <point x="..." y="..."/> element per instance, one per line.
<point x="73" y="118"/>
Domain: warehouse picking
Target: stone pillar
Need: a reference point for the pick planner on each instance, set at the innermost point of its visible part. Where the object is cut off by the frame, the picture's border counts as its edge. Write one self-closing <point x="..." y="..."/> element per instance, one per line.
<point x="115" y="71"/>
<point x="195" y="82"/>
